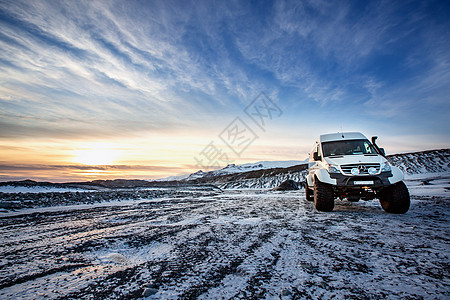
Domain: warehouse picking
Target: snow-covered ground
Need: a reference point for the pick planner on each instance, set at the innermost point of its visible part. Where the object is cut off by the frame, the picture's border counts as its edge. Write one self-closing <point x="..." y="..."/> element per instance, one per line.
<point x="434" y="184"/>
<point x="232" y="245"/>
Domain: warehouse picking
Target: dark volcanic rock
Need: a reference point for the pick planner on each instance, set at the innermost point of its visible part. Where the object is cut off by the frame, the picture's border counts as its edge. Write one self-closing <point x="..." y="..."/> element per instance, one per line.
<point x="10" y="204"/>
<point x="288" y="185"/>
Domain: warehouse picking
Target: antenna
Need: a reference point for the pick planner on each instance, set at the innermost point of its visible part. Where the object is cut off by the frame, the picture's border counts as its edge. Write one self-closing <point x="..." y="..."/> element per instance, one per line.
<point x="342" y="131"/>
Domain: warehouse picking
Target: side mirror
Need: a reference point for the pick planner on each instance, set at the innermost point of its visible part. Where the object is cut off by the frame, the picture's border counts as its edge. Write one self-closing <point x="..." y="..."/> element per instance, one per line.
<point x="316" y="156"/>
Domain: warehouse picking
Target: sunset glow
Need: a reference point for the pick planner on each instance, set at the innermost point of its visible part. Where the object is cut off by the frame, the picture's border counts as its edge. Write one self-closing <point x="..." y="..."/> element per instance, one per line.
<point x="96" y="155"/>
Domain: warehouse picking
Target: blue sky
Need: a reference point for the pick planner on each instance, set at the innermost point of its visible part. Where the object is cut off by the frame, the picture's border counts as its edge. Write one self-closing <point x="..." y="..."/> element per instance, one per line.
<point x="160" y="80"/>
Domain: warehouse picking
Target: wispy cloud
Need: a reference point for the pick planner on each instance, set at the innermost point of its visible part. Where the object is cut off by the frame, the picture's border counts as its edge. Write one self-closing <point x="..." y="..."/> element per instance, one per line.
<point x="326" y="49"/>
<point x="84" y="60"/>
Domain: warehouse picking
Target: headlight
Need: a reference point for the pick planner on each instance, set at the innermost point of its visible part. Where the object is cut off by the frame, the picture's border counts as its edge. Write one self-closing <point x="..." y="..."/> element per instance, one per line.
<point x="372" y="171"/>
<point x="386" y="167"/>
<point x="333" y="169"/>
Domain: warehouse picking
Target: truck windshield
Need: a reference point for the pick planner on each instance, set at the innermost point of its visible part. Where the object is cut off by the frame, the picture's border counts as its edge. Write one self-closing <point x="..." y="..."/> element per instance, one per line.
<point x="349" y="147"/>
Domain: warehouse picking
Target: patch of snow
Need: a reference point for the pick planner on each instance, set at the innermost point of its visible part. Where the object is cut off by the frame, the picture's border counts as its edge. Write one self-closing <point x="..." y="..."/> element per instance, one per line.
<point x="115" y="258"/>
<point x="125" y="255"/>
<point x="224" y="220"/>
<point x="173" y="178"/>
<point x="196" y="175"/>
<point x="274" y="164"/>
<point x="429" y="184"/>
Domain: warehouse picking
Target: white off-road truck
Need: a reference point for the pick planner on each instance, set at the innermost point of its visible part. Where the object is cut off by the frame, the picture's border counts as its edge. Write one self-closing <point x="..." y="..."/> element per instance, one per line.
<point x="348" y="166"/>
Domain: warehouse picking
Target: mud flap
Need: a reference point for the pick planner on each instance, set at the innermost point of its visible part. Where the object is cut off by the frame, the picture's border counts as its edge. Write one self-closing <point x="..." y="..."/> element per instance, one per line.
<point x="397" y="175"/>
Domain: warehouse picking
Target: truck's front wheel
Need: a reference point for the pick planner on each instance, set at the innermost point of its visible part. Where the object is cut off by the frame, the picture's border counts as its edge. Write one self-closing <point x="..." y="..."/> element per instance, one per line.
<point x="323" y="196"/>
<point x="395" y="199"/>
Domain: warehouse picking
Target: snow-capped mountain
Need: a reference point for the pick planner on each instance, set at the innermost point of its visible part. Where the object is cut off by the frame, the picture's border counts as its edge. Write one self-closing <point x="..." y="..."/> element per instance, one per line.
<point x="261" y="165"/>
<point x="233" y="169"/>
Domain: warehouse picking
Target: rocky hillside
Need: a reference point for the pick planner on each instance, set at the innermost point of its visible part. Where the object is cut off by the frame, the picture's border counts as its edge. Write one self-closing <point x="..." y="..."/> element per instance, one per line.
<point x="422" y="162"/>
<point x="265" y="179"/>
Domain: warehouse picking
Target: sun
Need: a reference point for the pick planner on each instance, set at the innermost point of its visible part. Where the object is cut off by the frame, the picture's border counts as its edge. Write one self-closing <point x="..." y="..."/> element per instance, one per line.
<point x="96" y="155"/>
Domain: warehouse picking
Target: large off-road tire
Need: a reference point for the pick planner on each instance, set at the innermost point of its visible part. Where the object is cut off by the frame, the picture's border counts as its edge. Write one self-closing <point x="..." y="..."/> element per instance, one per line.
<point x="323" y="196"/>
<point x="395" y="199"/>
<point x="309" y="194"/>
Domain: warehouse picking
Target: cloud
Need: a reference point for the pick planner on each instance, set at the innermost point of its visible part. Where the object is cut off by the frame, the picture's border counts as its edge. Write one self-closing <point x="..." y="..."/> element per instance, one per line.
<point x="102" y="68"/>
<point x="87" y="61"/>
<point x="327" y="51"/>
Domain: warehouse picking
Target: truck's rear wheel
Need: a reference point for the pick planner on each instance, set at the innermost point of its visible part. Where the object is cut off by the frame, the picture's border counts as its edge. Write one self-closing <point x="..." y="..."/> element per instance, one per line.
<point x="395" y="199"/>
<point x="309" y="194"/>
<point x="323" y="196"/>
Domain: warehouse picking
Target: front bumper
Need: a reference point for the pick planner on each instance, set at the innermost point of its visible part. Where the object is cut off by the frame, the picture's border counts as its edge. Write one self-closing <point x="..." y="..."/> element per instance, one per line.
<point x="377" y="181"/>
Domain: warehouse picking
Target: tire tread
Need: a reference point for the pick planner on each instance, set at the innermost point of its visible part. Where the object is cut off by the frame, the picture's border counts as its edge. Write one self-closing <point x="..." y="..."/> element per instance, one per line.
<point x="323" y="196"/>
<point x="395" y="199"/>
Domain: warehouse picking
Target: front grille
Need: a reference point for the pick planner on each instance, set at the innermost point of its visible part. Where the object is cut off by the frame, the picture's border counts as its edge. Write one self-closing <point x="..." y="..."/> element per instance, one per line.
<point x="363" y="168"/>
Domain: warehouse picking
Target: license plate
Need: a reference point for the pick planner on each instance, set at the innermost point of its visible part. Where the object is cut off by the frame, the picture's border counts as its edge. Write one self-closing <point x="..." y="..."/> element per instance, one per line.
<point x="363" y="182"/>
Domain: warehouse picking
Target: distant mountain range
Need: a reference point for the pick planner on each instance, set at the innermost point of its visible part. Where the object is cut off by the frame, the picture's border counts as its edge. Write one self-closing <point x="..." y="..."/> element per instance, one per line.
<point x="264" y="174"/>
<point x="233" y="169"/>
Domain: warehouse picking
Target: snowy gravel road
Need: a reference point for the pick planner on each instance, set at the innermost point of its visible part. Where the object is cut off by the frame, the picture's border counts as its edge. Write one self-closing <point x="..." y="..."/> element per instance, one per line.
<point x="231" y="245"/>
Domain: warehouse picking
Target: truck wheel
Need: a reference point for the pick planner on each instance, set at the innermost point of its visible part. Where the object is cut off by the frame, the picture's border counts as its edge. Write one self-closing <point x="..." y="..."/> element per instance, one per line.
<point x="323" y="196"/>
<point x="395" y="199"/>
<point x="309" y="194"/>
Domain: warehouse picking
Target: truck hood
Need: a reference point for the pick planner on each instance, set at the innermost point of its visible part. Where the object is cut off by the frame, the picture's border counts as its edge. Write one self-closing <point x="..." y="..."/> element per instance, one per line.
<point x="355" y="159"/>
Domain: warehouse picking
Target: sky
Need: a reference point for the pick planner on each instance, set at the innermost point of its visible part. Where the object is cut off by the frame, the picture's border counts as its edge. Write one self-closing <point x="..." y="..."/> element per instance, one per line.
<point x="148" y="89"/>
